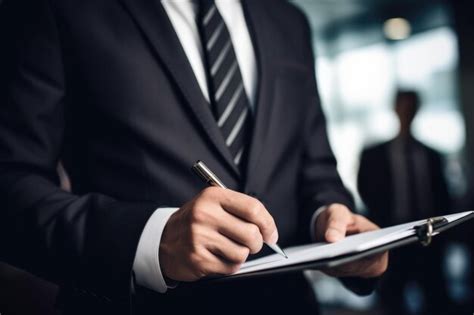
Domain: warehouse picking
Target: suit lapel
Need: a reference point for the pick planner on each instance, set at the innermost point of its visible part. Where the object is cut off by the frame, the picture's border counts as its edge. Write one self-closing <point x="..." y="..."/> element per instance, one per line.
<point x="152" y="19"/>
<point x="254" y="14"/>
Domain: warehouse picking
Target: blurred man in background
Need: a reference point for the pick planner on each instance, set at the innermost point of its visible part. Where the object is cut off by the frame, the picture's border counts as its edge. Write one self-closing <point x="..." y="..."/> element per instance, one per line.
<point x="402" y="180"/>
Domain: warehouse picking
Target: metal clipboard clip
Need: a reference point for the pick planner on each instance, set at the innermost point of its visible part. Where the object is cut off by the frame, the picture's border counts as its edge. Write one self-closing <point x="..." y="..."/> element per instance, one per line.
<point x="426" y="231"/>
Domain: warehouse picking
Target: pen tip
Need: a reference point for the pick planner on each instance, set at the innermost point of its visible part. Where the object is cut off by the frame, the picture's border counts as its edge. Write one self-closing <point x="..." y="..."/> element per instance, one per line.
<point x="283" y="253"/>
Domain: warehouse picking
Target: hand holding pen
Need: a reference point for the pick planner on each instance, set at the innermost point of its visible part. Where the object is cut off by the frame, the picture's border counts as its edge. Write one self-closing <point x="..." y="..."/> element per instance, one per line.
<point x="213" y="234"/>
<point x="212" y="180"/>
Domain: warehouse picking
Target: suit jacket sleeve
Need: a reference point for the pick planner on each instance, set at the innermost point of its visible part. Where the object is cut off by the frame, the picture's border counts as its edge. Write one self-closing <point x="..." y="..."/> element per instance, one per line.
<point x="321" y="184"/>
<point x="81" y="241"/>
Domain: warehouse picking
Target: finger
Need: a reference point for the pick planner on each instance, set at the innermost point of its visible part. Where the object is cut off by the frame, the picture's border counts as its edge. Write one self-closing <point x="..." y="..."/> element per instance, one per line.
<point x="227" y="249"/>
<point x="242" y="232"/>
<point x="352" y="269"/>
<point x="214" y="265"/>
<point x="363" y="224"/>
<point x="253" y="211"/>
<point x="339" y="218"/>
<point x="369" y="267"/>
<point x="377" y="265"/>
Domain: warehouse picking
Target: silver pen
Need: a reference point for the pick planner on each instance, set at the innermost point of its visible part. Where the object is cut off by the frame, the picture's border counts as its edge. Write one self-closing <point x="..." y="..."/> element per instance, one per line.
<point x="212" y="180"/>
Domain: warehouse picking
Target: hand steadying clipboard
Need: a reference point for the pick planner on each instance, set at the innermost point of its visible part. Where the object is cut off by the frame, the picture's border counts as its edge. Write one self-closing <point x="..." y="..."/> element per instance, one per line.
<point x="323" y="255"/>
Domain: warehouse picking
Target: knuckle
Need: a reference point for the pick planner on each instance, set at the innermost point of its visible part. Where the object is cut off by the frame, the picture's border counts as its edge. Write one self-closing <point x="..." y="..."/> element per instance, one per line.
<point x="233" y="268"/>
<point x="228" y="268"/>
<point x="195" y="259"/>
<point x="200" y="264"/>
<point x="254" y="239"/>
<point x="240" y="255"/>
<point x="254" y="232"/>
<point x="199" y="213"/>
<point x="212" y="193"/>
<point x="256" y="246"/>
<point x="268" y="224"/>
<point x="203" y="270"/>
<point x="244" y="253"/>
<point x="194" y="231"/>
<point x="255" y="208"/>
<point x="334" y="222"/>
<point x="339" y="209"/>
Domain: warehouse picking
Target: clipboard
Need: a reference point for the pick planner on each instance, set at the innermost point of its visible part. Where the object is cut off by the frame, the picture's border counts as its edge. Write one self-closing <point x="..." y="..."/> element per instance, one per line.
<point x="422" y="231"/>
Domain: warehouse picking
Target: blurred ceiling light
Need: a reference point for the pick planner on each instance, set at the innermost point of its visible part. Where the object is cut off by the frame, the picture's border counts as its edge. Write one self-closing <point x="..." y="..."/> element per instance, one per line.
<point x="397" y="29"/>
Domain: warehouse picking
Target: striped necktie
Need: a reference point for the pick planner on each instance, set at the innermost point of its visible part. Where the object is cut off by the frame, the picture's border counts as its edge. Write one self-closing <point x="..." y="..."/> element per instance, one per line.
<point x="229" y="101"/>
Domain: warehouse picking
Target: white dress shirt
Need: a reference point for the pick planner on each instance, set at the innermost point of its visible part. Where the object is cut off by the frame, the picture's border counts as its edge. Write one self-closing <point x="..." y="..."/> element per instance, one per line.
<point x="182" y="14"/>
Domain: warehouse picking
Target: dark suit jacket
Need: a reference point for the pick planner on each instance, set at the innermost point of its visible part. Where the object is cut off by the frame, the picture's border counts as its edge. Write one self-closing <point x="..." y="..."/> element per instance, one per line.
<point x="105" y="87"/>
<point x="375" y="182"/>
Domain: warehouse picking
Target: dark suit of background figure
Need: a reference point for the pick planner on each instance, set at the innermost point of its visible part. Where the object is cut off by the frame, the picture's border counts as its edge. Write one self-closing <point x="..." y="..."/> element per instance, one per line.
<point x="399" y="181"/>
<point x="106" y="87"/>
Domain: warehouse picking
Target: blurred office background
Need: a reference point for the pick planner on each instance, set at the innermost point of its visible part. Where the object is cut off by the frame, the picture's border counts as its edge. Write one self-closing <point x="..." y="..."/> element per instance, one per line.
<point x="365" y="51"/>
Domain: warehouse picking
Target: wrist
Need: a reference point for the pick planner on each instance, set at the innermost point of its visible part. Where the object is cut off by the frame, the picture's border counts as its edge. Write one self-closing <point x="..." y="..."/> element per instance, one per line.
<point x="165" y="253"/>
<point x="146" y="266"/>
<point x="314" y="220"/>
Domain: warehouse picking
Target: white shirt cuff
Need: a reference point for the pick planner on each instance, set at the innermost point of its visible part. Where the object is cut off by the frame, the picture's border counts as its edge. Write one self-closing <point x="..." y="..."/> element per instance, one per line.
<point x="146" y="265"/>
<point x="312" y="228"/>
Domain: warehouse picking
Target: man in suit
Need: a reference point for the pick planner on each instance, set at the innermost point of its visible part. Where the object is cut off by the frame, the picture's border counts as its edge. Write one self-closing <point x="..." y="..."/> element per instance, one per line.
<point x="128" y="94"/>
<point x="402" y="180"/>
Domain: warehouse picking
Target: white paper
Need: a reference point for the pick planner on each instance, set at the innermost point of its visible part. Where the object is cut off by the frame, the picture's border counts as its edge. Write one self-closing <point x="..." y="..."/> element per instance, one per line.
<point x="350" y="245"/>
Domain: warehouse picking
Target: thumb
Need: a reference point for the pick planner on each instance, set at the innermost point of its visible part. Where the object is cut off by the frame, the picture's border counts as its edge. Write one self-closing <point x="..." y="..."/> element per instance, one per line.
<point x="337" y="225"/>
